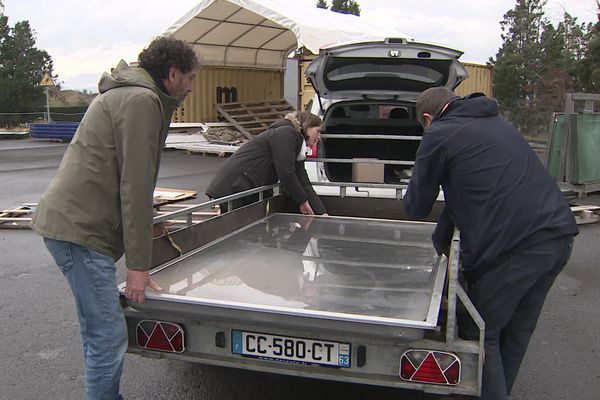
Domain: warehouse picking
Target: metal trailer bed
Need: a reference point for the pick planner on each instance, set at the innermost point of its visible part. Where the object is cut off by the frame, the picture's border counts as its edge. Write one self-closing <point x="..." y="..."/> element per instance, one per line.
<point x="341" y="297"/>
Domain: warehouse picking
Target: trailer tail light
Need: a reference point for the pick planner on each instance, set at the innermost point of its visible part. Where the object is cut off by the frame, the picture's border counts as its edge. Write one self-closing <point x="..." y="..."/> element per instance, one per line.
<point x="160" y="336"/>
<point x="425" y="366"/>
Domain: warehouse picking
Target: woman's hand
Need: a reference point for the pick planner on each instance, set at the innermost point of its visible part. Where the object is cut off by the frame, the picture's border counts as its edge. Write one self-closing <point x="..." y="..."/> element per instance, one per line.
<point x="306" y="209"/>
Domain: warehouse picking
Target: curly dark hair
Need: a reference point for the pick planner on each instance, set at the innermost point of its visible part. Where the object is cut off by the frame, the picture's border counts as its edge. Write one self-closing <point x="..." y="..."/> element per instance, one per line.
<point x="165" y="52"/>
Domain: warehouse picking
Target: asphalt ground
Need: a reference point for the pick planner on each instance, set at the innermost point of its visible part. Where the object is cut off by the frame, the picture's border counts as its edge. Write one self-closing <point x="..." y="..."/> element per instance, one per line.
<point x="41" y="351"/>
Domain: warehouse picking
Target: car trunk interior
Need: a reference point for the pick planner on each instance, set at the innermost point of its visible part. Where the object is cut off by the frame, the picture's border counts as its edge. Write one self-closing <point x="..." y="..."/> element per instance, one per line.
<point x="370" y="118"/>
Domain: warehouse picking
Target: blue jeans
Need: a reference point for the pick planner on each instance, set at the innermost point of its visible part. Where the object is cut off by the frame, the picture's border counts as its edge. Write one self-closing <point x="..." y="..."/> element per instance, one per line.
<point x="509" y="298"/>
<point x="91" y="276"/>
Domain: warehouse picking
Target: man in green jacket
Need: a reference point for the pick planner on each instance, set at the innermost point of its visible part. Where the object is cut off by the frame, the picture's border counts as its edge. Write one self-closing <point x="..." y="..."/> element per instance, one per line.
<point x="100" y="203"/>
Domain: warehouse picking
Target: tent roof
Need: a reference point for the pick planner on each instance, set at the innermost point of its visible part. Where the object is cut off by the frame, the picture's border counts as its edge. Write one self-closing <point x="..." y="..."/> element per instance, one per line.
<point x="261" y="33"/>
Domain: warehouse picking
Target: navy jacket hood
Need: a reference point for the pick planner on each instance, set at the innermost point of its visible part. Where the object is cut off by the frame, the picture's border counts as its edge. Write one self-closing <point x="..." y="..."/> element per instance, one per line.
<point x="476" y="105"/>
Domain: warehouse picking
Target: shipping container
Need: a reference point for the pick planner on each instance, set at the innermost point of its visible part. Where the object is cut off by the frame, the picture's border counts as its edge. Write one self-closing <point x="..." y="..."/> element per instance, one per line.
<point x="480" y="80"/>
<point x="214" y="85"/>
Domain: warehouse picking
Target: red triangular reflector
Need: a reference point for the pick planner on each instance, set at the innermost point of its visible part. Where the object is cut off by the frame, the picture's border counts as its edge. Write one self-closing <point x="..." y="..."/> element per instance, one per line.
<point x="429" y="371"/>
<point x="147" y="326"/>
<point x="169" y="329"/>
<point x="406" y="368"/>
<point x="177" y="342"/>
<point x="159" y="341"/>
<point x="142" y="338"/>
<point x="453" y="373"/>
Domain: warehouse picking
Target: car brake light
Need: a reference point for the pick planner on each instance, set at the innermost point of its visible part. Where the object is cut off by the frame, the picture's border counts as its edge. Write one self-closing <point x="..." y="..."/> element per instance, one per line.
<point x="430" y="367"/>
<point x="160" y="335"/>
<point x="312" y="151"/>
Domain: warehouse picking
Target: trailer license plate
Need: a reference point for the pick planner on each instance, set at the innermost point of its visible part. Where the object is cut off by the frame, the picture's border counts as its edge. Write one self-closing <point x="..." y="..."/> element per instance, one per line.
<point x="290" y="349"/>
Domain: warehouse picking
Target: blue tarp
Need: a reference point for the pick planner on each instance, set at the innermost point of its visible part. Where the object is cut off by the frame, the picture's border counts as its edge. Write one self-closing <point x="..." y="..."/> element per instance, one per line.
<point x="57" y="130"/>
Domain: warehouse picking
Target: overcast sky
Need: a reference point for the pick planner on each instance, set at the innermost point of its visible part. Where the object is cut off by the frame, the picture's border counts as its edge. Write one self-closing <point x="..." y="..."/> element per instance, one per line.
<point x="85" y="38"/>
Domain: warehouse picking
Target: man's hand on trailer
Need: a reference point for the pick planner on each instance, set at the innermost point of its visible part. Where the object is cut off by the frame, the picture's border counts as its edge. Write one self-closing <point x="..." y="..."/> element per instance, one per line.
<point x="136" y="283"/>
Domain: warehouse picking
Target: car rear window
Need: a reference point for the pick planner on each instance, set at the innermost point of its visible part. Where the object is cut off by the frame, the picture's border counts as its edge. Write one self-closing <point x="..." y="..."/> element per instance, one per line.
<point x="396" y="74"/>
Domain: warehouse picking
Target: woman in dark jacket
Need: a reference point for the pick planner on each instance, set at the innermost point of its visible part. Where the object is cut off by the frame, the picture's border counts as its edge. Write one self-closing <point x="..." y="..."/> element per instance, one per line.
<point x="276" y="154"/>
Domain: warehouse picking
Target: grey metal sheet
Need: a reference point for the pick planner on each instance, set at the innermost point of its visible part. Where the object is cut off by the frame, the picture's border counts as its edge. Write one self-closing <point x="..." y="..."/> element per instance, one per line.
<point x="352" y="269"/>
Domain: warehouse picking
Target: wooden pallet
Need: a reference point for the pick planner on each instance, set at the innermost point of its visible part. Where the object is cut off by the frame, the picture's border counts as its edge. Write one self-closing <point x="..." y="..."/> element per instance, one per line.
<point x="581" y="189"/>
<point x="20" y="217"/>
<point x="17" y="217"/>
<point x="586" y="214"/>
<point x="254" y="117"/>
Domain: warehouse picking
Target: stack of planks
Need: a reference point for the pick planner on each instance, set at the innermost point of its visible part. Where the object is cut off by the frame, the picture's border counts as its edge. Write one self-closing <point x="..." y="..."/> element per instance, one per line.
<point x="17" y="217"/>
<point x="585" y="214"/>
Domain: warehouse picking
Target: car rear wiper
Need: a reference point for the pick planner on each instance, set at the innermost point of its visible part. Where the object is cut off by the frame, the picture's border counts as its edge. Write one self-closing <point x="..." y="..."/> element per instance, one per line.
<point x="367" y="97"/>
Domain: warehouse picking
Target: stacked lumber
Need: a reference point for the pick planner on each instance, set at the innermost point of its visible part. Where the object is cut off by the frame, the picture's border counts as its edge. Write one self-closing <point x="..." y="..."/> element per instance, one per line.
<point x="20" y="217"/>
<point x="17" y="217"/>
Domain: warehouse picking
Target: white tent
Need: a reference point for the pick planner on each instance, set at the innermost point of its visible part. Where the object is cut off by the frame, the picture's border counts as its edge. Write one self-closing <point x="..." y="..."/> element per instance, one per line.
<point x="261" y="33"/>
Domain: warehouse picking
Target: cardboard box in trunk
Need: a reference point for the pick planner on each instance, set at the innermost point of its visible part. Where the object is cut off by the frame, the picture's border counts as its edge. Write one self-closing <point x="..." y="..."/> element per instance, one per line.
<point x="367" y="173"/>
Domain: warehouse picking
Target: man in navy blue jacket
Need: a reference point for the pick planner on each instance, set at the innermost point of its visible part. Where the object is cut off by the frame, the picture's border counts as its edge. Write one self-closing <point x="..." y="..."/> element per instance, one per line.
<point x="516" y="228"/>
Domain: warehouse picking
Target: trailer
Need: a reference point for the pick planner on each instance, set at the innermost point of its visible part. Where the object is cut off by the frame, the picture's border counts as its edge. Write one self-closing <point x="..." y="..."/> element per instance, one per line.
<point x="358" y="296"/>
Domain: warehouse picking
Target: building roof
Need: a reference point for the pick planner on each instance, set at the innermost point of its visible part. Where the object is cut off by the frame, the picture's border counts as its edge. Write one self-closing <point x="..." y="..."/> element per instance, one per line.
<point x="261" y="33"/>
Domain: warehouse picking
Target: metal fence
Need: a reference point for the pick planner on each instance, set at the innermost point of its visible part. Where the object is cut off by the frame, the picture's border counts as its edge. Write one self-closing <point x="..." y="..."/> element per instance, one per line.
<point x="57" y="114"/>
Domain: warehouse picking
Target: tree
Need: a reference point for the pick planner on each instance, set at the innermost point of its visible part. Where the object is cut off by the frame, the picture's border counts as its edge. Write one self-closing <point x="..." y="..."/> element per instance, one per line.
<point x="322" y="4"/>
<point x="22" y="66"/>
<point x="518" y="61"/>
<point x="345" y="7"/>
<point x="538" y="63"/>
<point x="562" y="50"/>
<point x="587" y="70"/>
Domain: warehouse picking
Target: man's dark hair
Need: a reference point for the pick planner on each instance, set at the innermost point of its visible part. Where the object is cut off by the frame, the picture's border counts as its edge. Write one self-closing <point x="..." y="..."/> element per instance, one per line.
<point x="432" y="101"/>
<point x="166" y="52"/>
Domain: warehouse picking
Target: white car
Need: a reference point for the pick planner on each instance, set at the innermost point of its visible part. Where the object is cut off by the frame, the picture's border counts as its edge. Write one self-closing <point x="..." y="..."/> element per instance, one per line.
<point x="366" y="95"/>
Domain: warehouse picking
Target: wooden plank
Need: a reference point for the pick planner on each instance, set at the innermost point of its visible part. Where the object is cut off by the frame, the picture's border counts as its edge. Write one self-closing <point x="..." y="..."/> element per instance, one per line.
<point x="581" y="189"/>
<point x="277" y="102"/>
<point x="584" y="96"/>
<point x="256" y="131"/>
<point x="256" y="114"/>
<point x="279" y="107"/>
<point x="231" y="119"/>
<point x="15" y="211"/>
<point x="253" y="117"/>
<point x="15" y="218"/>
<point x="586" y="214"/>
<point x="258" y="121"/>
<point x="586" y="217"/>
<point x="577" y="208"/>
<point x="164" y="195"/>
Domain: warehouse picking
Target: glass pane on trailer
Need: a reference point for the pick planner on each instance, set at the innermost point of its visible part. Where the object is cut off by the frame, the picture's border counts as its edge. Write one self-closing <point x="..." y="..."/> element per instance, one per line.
<point x="352" y="266"/>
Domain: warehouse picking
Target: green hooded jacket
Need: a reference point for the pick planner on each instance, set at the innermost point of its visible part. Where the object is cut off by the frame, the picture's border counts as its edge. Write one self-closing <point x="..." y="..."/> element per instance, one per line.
<point x="102" y="195"/>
